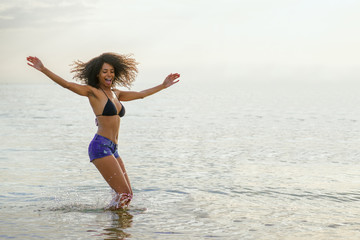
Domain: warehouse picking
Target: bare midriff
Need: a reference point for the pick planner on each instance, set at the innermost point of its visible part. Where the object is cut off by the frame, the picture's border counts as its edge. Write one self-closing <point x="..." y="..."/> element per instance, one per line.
<point x="109" y="126"/>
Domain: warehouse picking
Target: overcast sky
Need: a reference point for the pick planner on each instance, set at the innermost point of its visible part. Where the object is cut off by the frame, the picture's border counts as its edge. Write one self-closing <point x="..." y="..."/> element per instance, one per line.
<point x="201" y="39"/>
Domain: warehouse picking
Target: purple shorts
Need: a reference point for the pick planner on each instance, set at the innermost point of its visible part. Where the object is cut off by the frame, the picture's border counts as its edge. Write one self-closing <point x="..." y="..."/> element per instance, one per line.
<point x="101" y="147"/>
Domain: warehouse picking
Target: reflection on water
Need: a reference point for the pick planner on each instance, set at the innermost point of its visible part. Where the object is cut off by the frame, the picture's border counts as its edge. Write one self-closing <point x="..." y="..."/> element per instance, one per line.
<point x="110" y="224"/>
<point x="120" y="220"/>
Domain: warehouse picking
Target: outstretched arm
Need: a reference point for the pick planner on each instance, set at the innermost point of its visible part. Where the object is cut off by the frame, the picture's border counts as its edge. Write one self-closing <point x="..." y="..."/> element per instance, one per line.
<point x="170" y="80"/>
<point x="82" y="90"/>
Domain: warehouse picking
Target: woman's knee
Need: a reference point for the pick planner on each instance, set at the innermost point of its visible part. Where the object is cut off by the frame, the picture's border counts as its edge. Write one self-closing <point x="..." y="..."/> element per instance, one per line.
<point x="123" y="189"/>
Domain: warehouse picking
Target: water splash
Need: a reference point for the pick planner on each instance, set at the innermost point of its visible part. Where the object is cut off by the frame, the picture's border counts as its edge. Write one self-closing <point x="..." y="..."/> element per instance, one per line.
<point x="120" y="201"/>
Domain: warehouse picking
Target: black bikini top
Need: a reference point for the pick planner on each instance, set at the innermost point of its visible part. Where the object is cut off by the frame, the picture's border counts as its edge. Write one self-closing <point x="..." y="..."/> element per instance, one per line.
<point x="110" y="109"/>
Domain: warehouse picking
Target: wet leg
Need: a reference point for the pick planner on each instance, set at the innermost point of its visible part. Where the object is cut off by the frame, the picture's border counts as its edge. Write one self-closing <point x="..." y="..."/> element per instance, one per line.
<point x="122" y="166"/>
<point x="113" y="174"/>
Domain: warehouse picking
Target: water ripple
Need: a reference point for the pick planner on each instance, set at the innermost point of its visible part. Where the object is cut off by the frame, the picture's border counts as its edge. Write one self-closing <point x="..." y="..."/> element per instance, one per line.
<point x="344" y="197"/>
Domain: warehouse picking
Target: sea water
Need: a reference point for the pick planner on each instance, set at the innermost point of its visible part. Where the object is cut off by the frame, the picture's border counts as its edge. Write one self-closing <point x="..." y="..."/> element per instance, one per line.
<point x="206" y="160"/>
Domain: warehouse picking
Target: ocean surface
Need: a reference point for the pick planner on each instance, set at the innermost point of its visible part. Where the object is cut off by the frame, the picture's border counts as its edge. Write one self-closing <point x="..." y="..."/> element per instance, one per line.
<point x="207" y="160"/>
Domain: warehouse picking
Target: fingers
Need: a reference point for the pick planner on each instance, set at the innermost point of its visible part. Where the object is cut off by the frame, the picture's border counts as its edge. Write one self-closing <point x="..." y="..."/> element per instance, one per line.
<point x="173" y="76"/>
<point x="32" y="59"/>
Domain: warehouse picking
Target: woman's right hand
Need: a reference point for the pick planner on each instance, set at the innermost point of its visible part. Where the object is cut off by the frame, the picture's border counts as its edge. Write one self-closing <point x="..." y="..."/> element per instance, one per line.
<point x="35" y="63"/>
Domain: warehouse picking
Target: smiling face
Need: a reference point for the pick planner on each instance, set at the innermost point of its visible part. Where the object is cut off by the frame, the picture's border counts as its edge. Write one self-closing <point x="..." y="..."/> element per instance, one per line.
<point x="106" y="75"/>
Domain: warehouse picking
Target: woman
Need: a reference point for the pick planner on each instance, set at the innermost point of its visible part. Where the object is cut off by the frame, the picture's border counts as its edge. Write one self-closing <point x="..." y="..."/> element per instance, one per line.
<point x="100" y="75"/>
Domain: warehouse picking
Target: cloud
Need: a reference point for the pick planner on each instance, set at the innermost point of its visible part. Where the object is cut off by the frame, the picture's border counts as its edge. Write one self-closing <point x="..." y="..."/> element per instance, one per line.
<point x="21" y="14"/>
<point x="190" y="34"/>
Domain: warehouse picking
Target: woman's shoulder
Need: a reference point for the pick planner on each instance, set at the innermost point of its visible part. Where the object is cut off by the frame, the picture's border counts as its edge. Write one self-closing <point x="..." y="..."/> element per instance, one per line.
<point x="96" y="92"/>
<point x="117" y="92"/>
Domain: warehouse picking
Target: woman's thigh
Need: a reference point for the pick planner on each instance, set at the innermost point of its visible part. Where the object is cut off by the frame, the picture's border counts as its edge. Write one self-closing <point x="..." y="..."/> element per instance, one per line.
<point x="122" y="166"/>
<point x="113" y="173"/>
<point x="121" y="163"/>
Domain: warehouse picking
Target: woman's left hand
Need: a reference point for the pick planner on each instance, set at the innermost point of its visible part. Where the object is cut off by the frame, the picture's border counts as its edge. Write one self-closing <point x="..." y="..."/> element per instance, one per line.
<point x="171" y="80"/>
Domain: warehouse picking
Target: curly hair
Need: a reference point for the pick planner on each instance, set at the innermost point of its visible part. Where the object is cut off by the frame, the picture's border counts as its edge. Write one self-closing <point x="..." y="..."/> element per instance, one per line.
<point x="124" y="67"/>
